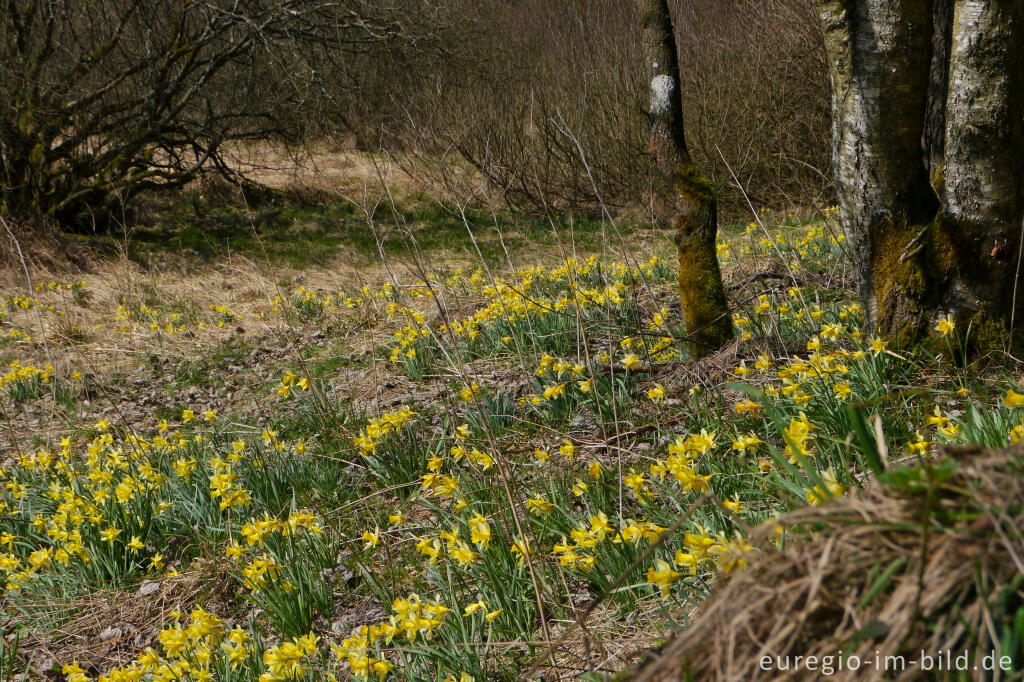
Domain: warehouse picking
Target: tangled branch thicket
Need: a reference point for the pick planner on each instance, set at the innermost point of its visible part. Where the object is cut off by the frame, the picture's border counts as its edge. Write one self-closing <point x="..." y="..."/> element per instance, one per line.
<point x="106" y="99"/>
<point x="755" y="85"/>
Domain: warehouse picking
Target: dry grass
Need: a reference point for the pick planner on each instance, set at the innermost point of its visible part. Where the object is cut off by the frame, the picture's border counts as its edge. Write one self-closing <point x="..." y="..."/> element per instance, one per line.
<point x="338" y="168"/>
<point x="952" y="548"/>
<point x="109" y="628"/>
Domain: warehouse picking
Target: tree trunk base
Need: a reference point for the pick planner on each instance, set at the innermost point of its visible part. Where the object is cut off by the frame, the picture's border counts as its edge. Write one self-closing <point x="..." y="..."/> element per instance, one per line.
<point x="923" y="273"/>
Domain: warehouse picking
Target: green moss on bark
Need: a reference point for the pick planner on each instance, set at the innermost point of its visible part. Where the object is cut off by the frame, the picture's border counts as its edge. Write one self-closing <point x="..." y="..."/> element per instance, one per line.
<point x="987" y="329"/>
<point x="956" y="247"/>
<point x="900" y="285"/>
<point x="702" y="295"/>
<point x="692" y="186"/>
<point x="914" y="269"/>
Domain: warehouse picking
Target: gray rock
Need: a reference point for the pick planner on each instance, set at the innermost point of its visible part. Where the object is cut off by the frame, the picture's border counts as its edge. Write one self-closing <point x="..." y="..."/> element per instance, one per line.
<point x="110" y="633"/>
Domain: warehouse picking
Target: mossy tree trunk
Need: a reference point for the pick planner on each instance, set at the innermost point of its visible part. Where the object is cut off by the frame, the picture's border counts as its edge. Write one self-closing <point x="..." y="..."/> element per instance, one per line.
<point x="928" y="111"/>
<point x="688" y="200"/>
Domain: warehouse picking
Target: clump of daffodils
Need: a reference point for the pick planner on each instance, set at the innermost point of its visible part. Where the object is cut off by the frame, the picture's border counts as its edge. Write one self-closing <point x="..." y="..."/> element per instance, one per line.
<point x="378" y="428"/>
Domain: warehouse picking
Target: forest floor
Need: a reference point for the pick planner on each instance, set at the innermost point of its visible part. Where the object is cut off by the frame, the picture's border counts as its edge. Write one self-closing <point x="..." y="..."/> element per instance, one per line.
<point x="397" y="438"/>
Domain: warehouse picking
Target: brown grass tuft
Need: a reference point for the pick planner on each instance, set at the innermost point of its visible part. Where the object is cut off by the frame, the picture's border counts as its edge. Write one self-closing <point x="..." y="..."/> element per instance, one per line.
<point x="951" y="548"/>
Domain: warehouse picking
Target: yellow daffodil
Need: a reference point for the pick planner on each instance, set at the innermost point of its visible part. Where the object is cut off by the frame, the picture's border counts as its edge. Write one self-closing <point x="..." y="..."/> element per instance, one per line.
<point x="656" y="393"/>
<point x="833" y="488"/>
<point x="945" y="325"/>
<point x="662" y="575"/>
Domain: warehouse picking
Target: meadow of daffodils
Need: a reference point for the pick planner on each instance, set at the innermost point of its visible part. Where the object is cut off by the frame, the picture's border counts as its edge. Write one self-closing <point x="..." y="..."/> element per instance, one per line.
<point x="565" y="493"/>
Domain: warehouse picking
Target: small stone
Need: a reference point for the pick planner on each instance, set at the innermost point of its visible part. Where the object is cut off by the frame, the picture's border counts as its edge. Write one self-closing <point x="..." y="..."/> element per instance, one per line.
<point x="110" y="633"/>
<point x="148" y="588"/>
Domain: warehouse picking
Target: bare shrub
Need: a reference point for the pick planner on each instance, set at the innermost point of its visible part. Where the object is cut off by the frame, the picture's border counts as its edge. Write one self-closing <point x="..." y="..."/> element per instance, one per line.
<point x="104" y="99"/>
<point x="755" y="92"/>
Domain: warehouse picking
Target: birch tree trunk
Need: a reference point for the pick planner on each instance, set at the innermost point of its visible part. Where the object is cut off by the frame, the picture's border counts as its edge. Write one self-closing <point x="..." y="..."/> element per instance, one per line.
<point x="878" y="54"/>
<point x="927" y="147"/>
<point x="983" y="177"/>
<point x="688" y="200"/>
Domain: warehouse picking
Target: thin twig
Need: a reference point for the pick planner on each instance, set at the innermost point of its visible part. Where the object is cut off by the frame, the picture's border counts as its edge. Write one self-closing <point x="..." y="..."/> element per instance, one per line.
<point x="28" y="278"/>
